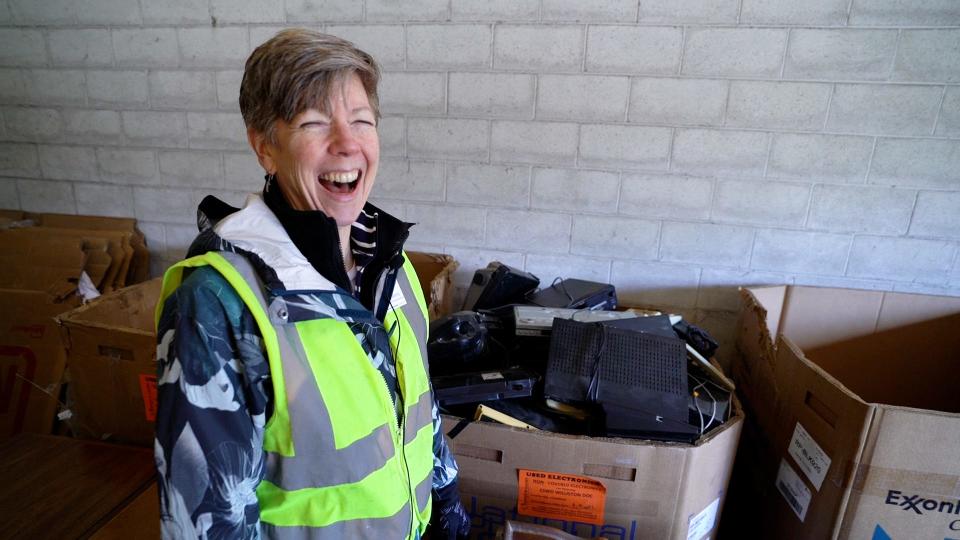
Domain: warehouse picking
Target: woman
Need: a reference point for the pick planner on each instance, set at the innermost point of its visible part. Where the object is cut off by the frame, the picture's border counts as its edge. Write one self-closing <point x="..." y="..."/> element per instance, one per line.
<point x="294" y="397"/>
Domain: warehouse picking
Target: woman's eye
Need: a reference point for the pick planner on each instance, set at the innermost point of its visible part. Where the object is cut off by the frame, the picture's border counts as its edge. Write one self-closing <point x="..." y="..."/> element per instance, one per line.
<point x="313" y="125"/>
<point x="364" y="122"/>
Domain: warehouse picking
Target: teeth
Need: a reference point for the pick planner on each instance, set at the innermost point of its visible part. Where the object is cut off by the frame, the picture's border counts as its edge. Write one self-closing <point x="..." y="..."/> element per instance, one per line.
<point x="341" y="177"/>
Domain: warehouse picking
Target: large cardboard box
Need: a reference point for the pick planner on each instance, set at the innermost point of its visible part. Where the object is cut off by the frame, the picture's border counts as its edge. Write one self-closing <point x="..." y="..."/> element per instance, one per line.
<point x="111" y="359"/>
<point x="856" y="401"/>
<point x="435" y="272"/>
<point x="38" y="280"/>
<point x="111" y="354"/>
<point x="652" y="489"/>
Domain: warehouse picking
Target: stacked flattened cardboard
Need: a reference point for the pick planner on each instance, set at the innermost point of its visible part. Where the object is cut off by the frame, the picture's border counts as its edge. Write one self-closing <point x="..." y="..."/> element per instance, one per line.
<point x="44" y="259"/>
<point x="111" y="351"/>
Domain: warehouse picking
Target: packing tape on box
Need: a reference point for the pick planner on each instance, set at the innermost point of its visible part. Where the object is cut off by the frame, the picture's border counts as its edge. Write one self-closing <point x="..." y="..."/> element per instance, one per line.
<point x="879" y="481"/>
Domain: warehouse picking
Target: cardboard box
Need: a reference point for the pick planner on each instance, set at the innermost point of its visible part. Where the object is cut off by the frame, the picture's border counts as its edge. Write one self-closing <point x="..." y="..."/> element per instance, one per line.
<point x="111" y="356"/>
<point x="653" y="489"/>
<point x="435" y="272"/>
<point x="853" y="397"/>
<point x="38" y="279"/>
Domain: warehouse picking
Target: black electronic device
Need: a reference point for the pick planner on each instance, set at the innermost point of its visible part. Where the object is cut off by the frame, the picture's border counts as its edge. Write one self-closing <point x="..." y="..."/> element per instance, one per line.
<point x="456" y="341"/>
<point x="624" y="371"/>
<point x="576" y="294"/>
<point x="478" y="386"/>
<point x="499" y="285"/>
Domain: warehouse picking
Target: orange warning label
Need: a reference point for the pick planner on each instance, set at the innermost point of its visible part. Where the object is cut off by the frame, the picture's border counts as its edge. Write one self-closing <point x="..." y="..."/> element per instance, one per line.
<point x="561" y="496"/>
<point x="148" y="389"/>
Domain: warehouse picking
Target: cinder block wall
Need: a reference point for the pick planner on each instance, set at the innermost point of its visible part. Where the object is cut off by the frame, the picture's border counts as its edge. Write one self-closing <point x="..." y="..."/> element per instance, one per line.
<point x="677" y="148"/>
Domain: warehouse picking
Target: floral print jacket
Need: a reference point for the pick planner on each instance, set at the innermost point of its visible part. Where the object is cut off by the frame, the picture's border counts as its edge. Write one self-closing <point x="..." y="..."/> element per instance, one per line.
<point x="215" y="396"/>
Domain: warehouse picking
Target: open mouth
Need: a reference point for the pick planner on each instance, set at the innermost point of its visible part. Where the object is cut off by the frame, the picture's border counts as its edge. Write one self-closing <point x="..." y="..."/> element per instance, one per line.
<point x="342" y="182"/>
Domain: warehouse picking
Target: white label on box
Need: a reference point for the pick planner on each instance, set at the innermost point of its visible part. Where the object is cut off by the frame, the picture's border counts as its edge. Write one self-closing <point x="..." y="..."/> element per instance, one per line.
<point x="703" y="523"/>
<point x="492" y="376"/>
<point x="811" y="459"/>
<point x="793" y="489"/>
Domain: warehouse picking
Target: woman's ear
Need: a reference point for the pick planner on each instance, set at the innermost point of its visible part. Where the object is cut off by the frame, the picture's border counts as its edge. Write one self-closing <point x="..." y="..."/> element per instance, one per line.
<point x="263" y="148"/>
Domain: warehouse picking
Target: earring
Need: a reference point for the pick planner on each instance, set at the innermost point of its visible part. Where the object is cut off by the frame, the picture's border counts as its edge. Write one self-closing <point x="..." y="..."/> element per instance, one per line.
<point x="268" y="178"/>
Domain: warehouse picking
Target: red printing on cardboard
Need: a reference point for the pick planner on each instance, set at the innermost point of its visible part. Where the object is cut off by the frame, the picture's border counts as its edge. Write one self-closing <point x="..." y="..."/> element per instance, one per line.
<point x="561" y="496"/>
<point x="148" y="389"/>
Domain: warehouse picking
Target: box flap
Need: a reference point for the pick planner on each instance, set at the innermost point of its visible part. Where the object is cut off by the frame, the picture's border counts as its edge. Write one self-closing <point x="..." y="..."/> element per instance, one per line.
<point x="898" y="366"/>
<point x="814" y="316"/>
<point x="838" y="422"/>
<point x="435" y="273"/>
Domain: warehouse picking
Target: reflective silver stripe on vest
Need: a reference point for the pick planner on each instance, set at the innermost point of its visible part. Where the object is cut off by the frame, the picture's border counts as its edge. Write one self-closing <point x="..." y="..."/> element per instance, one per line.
<point x="423" y="492"/>
<point x="395" y="526"/>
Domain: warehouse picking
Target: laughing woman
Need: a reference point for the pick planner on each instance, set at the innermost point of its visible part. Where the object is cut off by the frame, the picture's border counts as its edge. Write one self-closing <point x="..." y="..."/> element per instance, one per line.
<point x="294" y="397"/>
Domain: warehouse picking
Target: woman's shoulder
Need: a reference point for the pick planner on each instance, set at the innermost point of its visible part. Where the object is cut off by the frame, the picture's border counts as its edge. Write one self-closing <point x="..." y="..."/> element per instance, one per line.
<point x="205" y="293"/>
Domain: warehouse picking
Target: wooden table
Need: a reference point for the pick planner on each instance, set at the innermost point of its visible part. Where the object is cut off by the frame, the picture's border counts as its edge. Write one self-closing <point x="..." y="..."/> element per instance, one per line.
<point x="58" y="487"/>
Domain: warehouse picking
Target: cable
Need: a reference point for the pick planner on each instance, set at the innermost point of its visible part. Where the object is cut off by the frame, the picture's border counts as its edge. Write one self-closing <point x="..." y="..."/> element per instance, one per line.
<point x="593" y="389"/>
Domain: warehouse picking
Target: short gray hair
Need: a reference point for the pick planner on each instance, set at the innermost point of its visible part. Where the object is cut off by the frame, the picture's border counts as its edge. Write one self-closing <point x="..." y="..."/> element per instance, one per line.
<point x="297" y="69"/>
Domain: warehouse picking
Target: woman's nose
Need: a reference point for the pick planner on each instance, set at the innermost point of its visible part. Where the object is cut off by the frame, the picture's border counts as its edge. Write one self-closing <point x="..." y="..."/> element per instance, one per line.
<point x="343" y="141"/>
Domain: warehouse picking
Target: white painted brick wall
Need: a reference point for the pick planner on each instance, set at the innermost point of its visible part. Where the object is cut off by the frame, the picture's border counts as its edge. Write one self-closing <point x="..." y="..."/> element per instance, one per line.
<point x="735" y="52"/>
<point x="500" y="186"/>
<point x="495" y="95"/>
<point x="678" y="101"/>
<point x="19" y="160"/>
<point x="781" y="105"/>
<point x="688" y="11"/>
<point x="829" y="157"/>
<point x="104" y="199"/>
<point x="120" y="89"/>
<point x="819" y="12"/>
<point x="415" y="180"/>
<point x="888" y="110"/>
<point x="634" y="49"/>
<point x="83" y="47"/>
<point x="150" y="128"/>
<point x="835" y="54"/>
<point x="613" y="236"/>
<point x="949" y="122"/>
<point x="92" y="126"/>
<point x="637" y="147"/>
<point x="538" y="48"/>
<point x="455" y="46"/>
<point x="801" y="252"/>
<point x="677" y="148"/>
<point x="666" y="196"/>
<point x="779" y="204"/>
<point x="575" y="190"/>
<point x="536" y="142"/>
<point x="559" y="98"/>
<point x="719" y="152"/>
<point x="68" y="162"/>
<point x="928" y="55"/>
<point x="535" y="232"/>
<point x="146" y="47"/>
<point x="495" y="10"/>
<point x="904" y="13"/>
<point x="413" y="93"/>
<point x="860" y="209"/>
<point x="937" y="214"/>
<point x="47" y="196"/>
<point x="589" y="10"/>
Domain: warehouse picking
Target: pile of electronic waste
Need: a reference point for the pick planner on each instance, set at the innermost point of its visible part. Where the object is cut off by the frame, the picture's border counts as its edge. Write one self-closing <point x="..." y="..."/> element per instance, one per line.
<point x="564" y="359"/>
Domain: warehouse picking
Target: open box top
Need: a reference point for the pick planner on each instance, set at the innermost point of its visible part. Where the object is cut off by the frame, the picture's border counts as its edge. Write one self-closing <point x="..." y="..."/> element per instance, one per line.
<point x="872" y="378"/>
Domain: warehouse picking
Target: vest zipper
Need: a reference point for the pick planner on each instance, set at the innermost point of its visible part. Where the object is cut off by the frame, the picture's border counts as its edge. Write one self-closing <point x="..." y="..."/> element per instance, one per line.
<point x="400" y="424"/>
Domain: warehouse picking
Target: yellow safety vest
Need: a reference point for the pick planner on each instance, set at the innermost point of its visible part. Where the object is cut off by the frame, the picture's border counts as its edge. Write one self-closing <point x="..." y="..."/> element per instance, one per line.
<point x="338" y="463"/>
